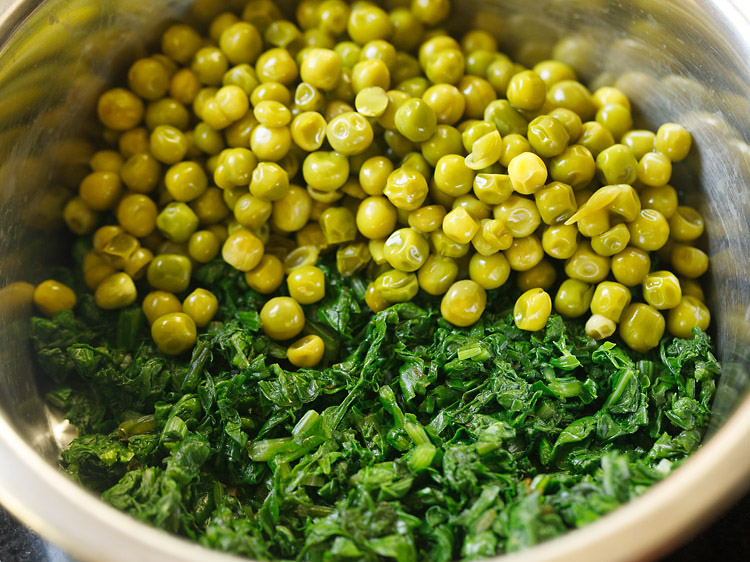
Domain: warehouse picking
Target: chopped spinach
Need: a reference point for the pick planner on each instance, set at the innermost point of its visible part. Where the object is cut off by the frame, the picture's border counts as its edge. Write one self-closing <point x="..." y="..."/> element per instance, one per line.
<point x="416" y="441"/>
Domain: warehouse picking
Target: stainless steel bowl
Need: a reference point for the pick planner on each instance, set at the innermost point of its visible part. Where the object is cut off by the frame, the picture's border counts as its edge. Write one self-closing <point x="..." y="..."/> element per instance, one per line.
<point x="679" y="60"/>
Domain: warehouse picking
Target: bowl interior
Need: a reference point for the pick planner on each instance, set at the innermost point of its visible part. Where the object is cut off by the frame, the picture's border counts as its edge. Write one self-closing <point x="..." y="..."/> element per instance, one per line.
<point x="678" y="61"/>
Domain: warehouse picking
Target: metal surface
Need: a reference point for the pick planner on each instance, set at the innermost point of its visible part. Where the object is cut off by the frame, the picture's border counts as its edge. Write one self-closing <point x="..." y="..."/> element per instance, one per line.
<point x="679" y="60"/>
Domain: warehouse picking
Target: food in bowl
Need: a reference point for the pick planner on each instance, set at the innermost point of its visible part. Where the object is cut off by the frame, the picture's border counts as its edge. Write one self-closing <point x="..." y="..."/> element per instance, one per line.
<point x="349" y="287"/>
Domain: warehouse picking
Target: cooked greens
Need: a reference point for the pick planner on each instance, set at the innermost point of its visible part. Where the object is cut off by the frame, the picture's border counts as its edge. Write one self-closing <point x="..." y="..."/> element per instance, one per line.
<point x="417" y="441"/>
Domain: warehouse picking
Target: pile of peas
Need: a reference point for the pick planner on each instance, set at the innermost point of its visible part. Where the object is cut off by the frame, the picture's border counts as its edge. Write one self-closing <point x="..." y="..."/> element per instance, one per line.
<point x="422" y="161"/>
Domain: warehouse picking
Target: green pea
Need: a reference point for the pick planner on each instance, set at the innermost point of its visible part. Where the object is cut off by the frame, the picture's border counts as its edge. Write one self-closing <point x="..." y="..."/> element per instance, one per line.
<point x="446" y="140"/>
<point x="505" y="118"/>
<point x="547" y="136"/>
<point x="325" y="171"/>
<point x="616" y="164"/>
<point x="177" y="222"/>
<point x="169" y="272"/>
<point x="416" y="120"/>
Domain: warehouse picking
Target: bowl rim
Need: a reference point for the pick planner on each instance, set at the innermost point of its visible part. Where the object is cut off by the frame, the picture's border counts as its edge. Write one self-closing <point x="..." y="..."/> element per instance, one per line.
<point x="39" y="494"/>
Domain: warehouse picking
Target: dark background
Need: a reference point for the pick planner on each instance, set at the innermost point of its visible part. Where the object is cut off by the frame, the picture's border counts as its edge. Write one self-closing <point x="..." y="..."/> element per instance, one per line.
<point x="727" y="540"/>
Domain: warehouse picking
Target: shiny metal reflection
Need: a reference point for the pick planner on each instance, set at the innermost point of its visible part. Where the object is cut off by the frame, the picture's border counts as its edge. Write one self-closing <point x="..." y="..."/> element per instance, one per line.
<point x="679" y="60"/>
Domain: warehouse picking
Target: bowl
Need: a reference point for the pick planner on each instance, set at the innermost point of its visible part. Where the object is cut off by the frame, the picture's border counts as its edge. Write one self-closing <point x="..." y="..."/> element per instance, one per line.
<point x="678" y="61"/>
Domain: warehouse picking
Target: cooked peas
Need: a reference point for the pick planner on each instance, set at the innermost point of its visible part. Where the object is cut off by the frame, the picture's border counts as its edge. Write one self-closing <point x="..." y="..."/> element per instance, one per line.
<point x="137" y="263"/>
<point x="242" y="250"/>
<point x="585" y="265"/>
<point x="547" y="136"/>
<point x="148" y="78"/>
<point x="437" y="274"/>
<point x="610" y="300"/>
<point x="446" y="140"/>
<point x="241" y="43"/>
<point x="630" y="266"/>
<point x="158" y="303"/>
<point x="79" y="217"/>
<point x="492" y="189"/>
<point x="186" y="181"/>
<point x="689" y="261"/>
<point x="460" y="226"/>
<point x="686" y="224"/>
<point x="349" y="133"/>
<point x="376" y="217"/>
<point x="100" y="190"/>
<point x="267" y="276"/>
<point x="575" y="166"/>
<point x="51" y="296"/>
<point x="477" y="93"/>
<point x="600" y="327"/>
<point x="406" y="189"/>
<point x="203" y="246"/>
<point x="490" y="272"/>
<point x="641" y="327"/>
<point x="169" y="272"/>
<point x="616" y="118"/>
<point x="282" y="318"/>
<point x="616" y="164"/>
<point x="372" y="102"/>
<point x="133" y="141"/>
<point x="270" y="143"/>
<point x="201" y="305"/>
<point x="325" y="171"/>
<point x="321" y="68"/>
<point x="370" y="73"/>
<point x="595" y="137"/>
<point x="661" y="289"/>
<point x="527" y="172"/>
<point x="308" y="130"/>
<point x="445" y="66"/>
<point x="486" y="151"/>
<point x="532" y="310"/>
<point x="573" y="298"/>
<point x="120" y="109"/>
<point x="556" y="202"/>
<point x="524" y="253"/>
<point x="269" y="181"/>
<point x="406" y="250"/>
<point x="654" y="169"/>
<point x="397" y="286"/>
<point x="611" y="242"/>
<point x="433" y="177"/>
<point x="177" y="222"/>
<point x="430" y="12"/>
<point x="662" y="199"/>
<point x="541" y="276"/>
<point x="306" y="352"/>
<point x="649" y="231"/>
<point x="520" y="215"/>
<point x="416" y="120"/>
<point x="689" y="314"/>
<point x="464" y="303"/>
<point x="453" y="177"/>
<point x="472" y="131"/>
<point x="307" y="284"/>
<point x="506" y="119"/>
<point x="673" y="141"/>
<point x="292" y="211"/>
<point x="527" y="91"/>
<point x="373" y="175"/>
<point x="446" y="101"/>
<point x="174" y="333"/>
<point x="367" y="22"/>
<point x="492" y="237"/>
<point x="136" y="213"/>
